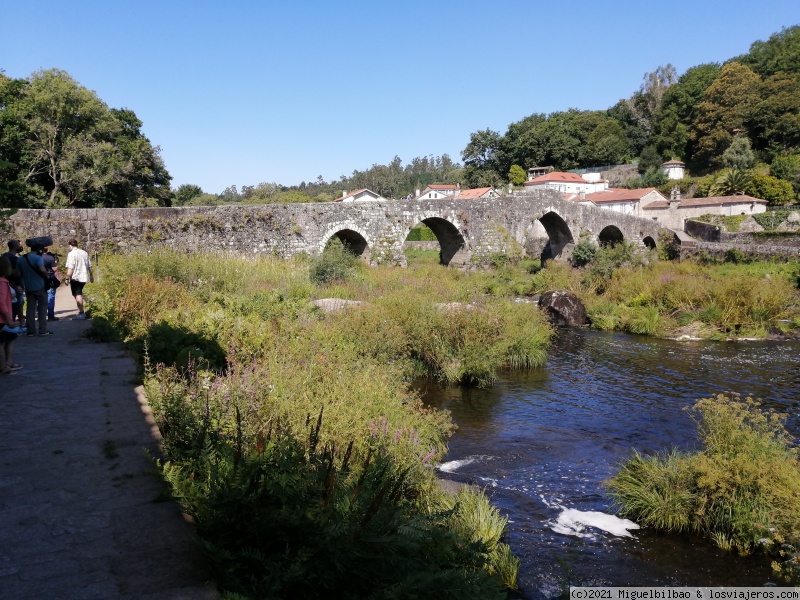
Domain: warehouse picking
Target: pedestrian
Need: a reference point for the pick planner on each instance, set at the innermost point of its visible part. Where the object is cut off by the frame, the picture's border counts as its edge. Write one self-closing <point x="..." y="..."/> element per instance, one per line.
<point x="79" y="273"/>
<point x="8" y="331"/>
<point x="51" y="266"/>
<point x="34" y="277"/>
<point x="15" y="279"/>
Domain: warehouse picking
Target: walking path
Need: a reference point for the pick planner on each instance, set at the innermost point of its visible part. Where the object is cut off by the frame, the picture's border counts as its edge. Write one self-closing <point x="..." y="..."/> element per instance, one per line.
<point x="81" y="510"/>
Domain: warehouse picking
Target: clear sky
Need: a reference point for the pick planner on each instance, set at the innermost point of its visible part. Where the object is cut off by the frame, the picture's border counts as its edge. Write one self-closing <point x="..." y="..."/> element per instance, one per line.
<point x="238" y="92"/>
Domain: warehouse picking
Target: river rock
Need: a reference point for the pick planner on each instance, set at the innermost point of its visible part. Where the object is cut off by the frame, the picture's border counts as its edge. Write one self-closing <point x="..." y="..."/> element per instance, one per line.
<point x="329" y="305"/>
<point x="563" y="308"/>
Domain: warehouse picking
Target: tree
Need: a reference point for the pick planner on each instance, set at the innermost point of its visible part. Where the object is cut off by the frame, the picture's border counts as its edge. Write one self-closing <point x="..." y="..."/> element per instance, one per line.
<point x="13" y="190"/>
<point x="517" y="175"/>
<point x="732" y="182"/>
<point x="679" y="110"/>
<point x="650" y="159"/>
<point x="72" y="150"/>
<point x="726" y="110"/>
<point x="780" y="53"/>
<point x="772" y="189"/>
<point x="647" y="102"/>
<point x="480" y="158"/>
<point x="775" y="120"/>
<point x="185" y="193"/>
<point x="607" y="144"/>
<point x="787" y="167"/>
<point x="739" y="154"/>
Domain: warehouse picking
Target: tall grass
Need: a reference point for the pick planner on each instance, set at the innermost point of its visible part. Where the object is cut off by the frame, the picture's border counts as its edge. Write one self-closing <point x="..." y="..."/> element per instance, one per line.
<point x="238" y="360"/>
<point x="742" y="490"/>
<point x="731" y="300"/>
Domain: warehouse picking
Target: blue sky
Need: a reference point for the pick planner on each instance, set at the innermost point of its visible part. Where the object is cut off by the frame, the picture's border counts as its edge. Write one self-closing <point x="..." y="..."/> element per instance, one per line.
<point x="240" y="92"/>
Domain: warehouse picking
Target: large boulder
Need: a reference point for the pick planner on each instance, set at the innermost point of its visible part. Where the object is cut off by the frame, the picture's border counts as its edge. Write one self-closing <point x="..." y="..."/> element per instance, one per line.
<point x="563" y="308"/>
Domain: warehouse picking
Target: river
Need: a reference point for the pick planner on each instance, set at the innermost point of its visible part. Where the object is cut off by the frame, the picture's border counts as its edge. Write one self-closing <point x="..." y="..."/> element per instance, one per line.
<point x="542" y="443"/>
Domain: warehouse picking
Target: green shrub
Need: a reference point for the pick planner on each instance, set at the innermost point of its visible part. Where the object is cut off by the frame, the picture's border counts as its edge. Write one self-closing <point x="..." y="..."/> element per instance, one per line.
<point x="334" y="264"/>
<point x="421" y="233"/>
<point x="643" y="320"/>
<point x="285" y="519"/>
<point x="740" y="490"/>
<point x="669" y="247"/>
<point x="735" y="256"/>
<point x="770" y="219"/>
<point x="583" y="253"/>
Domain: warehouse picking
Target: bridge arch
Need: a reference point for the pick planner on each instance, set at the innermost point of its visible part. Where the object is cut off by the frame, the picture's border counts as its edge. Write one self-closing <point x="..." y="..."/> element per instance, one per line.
<point x="452" y="245"/>
<point x="649" y="243"/>
<point x="610" y="235"/>
<point x="558" y="234"/>
<point x="353" y="239"/>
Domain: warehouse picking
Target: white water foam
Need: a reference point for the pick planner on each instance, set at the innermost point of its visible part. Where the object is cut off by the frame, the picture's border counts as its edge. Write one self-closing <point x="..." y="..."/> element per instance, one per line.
<point x="453" y="465"/>
<point x="574" y="522"/>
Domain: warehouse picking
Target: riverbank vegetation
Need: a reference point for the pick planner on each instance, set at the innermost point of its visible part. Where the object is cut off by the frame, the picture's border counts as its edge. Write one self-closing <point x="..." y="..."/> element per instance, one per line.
<point x="627" y="290"/>
<point x="741" y="490"/>
<point x="292" y="435"/>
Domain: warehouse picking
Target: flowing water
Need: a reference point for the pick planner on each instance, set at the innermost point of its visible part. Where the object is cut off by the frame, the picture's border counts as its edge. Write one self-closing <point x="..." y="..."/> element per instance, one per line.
<point x="542" y="443"/>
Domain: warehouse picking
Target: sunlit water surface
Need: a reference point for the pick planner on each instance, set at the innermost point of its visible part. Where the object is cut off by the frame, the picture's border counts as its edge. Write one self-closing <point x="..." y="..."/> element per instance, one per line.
<point x="543" y="442"/>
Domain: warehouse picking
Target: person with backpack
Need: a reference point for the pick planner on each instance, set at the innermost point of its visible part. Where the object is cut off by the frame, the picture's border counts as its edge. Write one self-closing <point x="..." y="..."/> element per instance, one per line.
<point x="36" y="281"/>
<point x="51" y="266"/>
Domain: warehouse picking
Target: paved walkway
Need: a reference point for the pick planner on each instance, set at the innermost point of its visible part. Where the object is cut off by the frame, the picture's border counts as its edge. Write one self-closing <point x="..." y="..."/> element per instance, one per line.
<point x="81" y="515"/>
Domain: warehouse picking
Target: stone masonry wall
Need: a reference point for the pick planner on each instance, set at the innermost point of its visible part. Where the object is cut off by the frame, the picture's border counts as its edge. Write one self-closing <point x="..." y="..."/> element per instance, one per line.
<point x="470" y="231"/>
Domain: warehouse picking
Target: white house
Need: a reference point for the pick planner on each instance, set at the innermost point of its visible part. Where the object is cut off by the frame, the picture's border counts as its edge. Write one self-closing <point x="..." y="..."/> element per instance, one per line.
<point x="628" y="202"/>
<point x="673" y="213"/>
<point x="361" y="195"/>
<point x="437" y="191"/>
<point x="568" y="183"/>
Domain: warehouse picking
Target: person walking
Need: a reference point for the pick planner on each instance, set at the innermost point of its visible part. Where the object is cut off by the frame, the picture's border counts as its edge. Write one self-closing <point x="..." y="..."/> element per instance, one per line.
<point x="34" y="276"/>
<point x="79" y="273"/>
<point x="51" y="266"/>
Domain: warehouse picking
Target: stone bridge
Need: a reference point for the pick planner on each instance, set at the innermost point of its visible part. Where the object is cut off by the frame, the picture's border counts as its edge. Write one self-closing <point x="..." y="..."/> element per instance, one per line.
<point x="470" y="231"/>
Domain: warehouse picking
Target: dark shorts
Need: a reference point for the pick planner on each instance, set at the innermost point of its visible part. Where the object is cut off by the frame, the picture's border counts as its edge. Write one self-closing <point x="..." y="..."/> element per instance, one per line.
<point x="76" y="287"/>
<point x="6" y="336"/>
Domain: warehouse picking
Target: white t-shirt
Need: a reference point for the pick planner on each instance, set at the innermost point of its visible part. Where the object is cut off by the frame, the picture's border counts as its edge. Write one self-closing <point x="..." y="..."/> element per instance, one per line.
<point x="78" y="261"/>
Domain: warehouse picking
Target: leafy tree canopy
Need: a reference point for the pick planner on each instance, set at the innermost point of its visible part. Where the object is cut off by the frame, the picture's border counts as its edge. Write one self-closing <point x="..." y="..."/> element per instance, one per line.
<point x="780" y="53"/>
<point x="69" y="149"/>
<point x="693" y="117"/>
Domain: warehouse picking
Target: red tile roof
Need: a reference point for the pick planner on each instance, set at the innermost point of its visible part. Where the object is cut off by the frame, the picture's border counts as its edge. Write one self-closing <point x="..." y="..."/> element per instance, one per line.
<point x="441" y="186"/>
<point x="619" y="195"/>
<point x="657" y="204"/>
<point x="721" y="201"/>
<point x="474" y="193"/>
<point x="557" y="176"/>
<point x="710" y="201"/>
